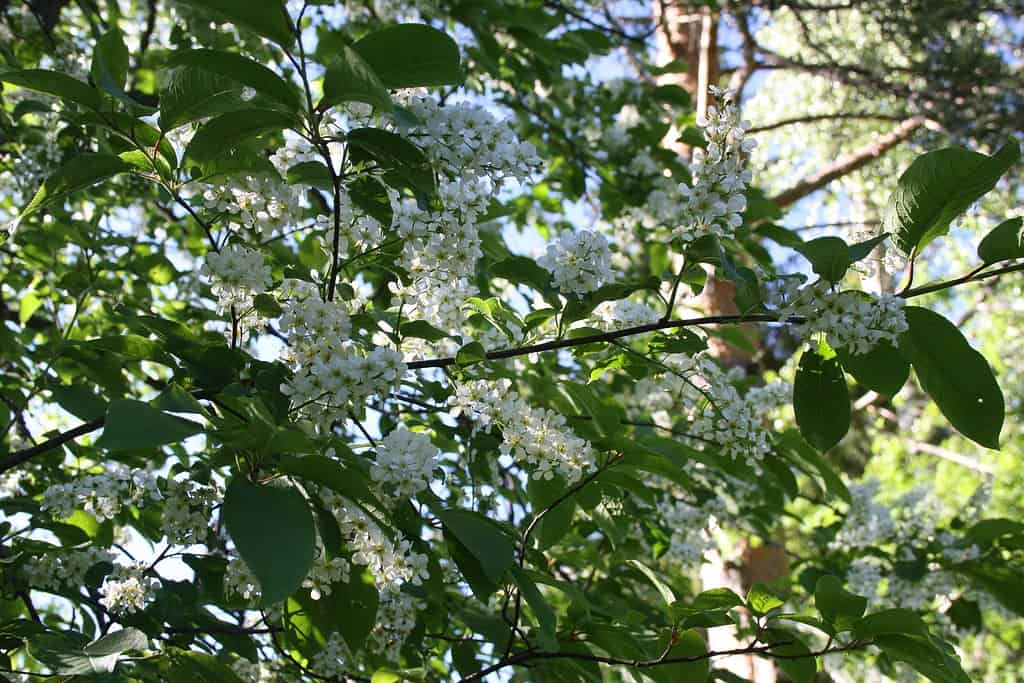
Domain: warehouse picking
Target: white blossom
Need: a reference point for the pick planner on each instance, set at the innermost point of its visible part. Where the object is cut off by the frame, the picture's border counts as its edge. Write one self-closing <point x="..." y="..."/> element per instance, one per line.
<point x="405" y="463"/>
<point x="579" y="261"/>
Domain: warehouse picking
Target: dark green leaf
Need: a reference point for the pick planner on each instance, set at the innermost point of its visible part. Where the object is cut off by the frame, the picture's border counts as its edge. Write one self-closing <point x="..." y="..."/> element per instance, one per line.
<point x="421" y="329"/>
<point x="937" y="187"/>
<point x="663" y="588"/>
<point x="55" y="83"/>
<point x="266" y="17"/>
<point x="404" y="163"/>
<point x="541" y="609"/>
<point x="762" y="600"/>
<point x="896" y="620"/>
<point x="487" y="542"/>
<point x="1003" y="243"/>
<point x="883" y="369"/>
<point x="133" y="424"/>
<point x="110" y="64"/>
<point x="829" y="257"/>
<point x="861" y="250"/>
<point x="473" y="352"/>
<point x="936" y="661"/>
<point x="272" y="527"/>
<point x="821" y="400"/>
<point x="241" y="69"/>
<point x="687" y="644"/>
<point x="957" y="377"/>
<point x="84" y="170"/>
<point x="350" y="79"/>
<point x="837" y="605"/>
<point x="411" y="55"/>
<point x="232" y="129"/>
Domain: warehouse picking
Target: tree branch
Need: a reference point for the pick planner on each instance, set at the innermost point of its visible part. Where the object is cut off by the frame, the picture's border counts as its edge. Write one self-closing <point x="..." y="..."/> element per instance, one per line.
<point x="838" y="116"/>
<point x="851" y="162"/>
<point x="18" y="457"/>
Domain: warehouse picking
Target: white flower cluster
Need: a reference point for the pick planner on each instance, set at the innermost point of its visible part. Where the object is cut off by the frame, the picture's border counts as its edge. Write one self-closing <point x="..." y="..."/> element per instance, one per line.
<point x="698" y="391"/>
<point x="391" y="564"/>
<point x="617" y="315"/>
<point x="331" y="375"/>
<point x="237" y="274"/>
<point x="239" y="580"/>
<point x="911" y="523"/>
<point x="355" y="228"/>
<point x="262" y="203"/>
<point x="396" y="618"/>
<point x="102" y="495"/>
<point x="329" y="662"/>
<point x="715" y="200"/>
<point x="690" y="525"/>
<point x="67" y="567"/>
<point x="127" y="589"/>
<point x="855" y="321"/>
<point x="466" y="139"/>
<point x="188" y="507"/>
<point x="405" y="463"/>
<point x="324" y="573"/>
<point x="537" y="436"/>
<point x="440" y="251"/>
<point x="579" y="261"/>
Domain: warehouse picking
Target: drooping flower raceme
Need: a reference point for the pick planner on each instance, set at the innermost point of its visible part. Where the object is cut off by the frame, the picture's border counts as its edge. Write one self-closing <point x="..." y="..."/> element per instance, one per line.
<point x="579" y="261"/>
<point x="405" y="463"/>
<point x="537" y="436"/>
<point x="617" y="315"/>
<point x="103" y="495"/>
<point x="263" y="203"/>
<point x="855" y="321"/>
<point x="715" y="199"/>
<point x="127" y="589"/>
<point x="237" y="274"/>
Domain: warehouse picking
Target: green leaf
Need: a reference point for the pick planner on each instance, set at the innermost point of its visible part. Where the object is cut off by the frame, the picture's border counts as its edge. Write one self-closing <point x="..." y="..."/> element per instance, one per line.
<point x="795" y="657"/>
<point x="241" y="69"/>
<point x="838" y="606"/>
<point x="347" y="481"/>
<point x="687" y="644"/>
<point x="821" y="400"/>
<point x="895" y="620"/>
<point x="663" y="589"/>
<point x="411" y="55"/>
<point x="470" y="353"/>
<point x="957" y="377"/>
<point x="829" y="257"/>
<point x="861" y="250"/>
<point x="272" y="527"/>
<point x="1003" y="242"/>
<point x="350" y="79"/>
<point x="79" y="400"/>
<point x="883" y="369"/>
<point x="55" y="83"/>
<point x="84" y="170"/>
<point x="484" y="539"/>
<point x="232" y="129"/>
<point x="936" y="661"/>
<point x="421" y="329"/>
<point x="937" y="187"/>
<point x="109" y="68"/>
<point x="268" y="18"/>
<point x="189" y="94"/>
<point x="385" y="676"/>
<point x="105" y="651"/>
<point x="403" y="163"/>
<point x="541" y="609"/>
<point x="133" y="424"/>
<point x="762" y="600"/>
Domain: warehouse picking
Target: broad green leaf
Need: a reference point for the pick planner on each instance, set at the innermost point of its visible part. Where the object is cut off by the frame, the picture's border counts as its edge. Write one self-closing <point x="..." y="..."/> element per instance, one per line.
<point x="133" y="424"/>
<point x="663" y="588"/>
<point x="687" y="644"/>
<point x="1003" y="242"/>
<point x="79" y="400"/>
<point x="234" y="128"/>
<point x="883" y="369"/>
<point x="403" y="163"/>
<point x="541" y="609"/>
<point x="895" y="620"/>
<point x="421" y="329"/>
<point x="829" y="257"/>
<point x="55" y="83"/>
<point x="105" y="651"/>
<point x="411" y="55"/>
<point x="936" y="661"/>
<point x="241" y="69"/>
<point x="483" y="538"/>
<point x="350" y="79"/>
<point x="762" y="600"/>
<point x="272" y="527"/>
<point x="937" y="187"/>
<point x="188" y="93"/>
<point x="28" y="305"/>
<point x="861" y="250"/>
<point x="84" y="170"/>
<point x="795" y="657"/>
<point x="109" y="67"/>
<point x="385" y="676"/>
<point x="268" y="18"/>
<point x="821" y="400"/>
<point x="957" y="377"/>
<point x="470" y="353"/>
<point x="347" y="481"/>
<point x="837" y="605"/>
